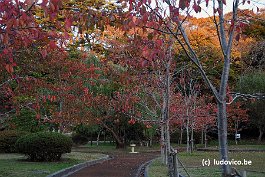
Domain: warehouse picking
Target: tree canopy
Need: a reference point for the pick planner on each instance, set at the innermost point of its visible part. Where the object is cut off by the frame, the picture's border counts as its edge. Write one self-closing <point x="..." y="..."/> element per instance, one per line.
<point x="129" y="66"/>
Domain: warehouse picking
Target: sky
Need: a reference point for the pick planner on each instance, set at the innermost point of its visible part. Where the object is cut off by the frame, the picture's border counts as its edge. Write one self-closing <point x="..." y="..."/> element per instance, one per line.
<point x="208" y="11"/>
<point x="228" y="8"/>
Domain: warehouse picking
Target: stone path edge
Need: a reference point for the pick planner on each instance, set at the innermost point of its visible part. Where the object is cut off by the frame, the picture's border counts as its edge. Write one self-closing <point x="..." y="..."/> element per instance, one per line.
<point x="144" y="165"/>
<point x="70" y="170"/>
<point x="148" y="165"/>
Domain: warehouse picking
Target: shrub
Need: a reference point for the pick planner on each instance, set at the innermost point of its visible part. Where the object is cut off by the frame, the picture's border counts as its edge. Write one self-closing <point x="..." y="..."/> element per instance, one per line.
<point x="79" y="139"/>
<point x="44" y="146"/>
<point x="8" y="140"/>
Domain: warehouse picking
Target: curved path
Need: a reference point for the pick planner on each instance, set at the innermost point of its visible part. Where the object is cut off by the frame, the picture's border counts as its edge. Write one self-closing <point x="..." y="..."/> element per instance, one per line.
<point x="122" y="165"/>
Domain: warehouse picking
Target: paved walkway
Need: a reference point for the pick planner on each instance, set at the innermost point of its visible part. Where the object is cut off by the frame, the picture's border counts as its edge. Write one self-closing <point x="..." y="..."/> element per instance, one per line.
<point x="122" y="165"/>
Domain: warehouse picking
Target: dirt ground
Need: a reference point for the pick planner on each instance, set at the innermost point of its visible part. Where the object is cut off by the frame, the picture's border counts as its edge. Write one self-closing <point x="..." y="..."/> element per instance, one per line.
<point x="122" y="165"/>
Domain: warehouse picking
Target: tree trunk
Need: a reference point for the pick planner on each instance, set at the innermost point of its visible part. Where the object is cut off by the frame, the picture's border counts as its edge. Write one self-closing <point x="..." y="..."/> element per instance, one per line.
<point x="120" y="145"/>
<point x="188" y="140"/>
<point x="236" y="127"/>
<point x="192" y="140"/>
<point x="181" y="135"/>
<point x="91" y="141"/>
<point x="162" y="144"/>
<point x="222" y="137"/>
<point x="202" y="136"/>
<point x="104" y="136"/>
<point x="188" y="136"/>
<point x="165" y="111"/>
<point x="205" y="138"/>
<point x="98" y="137"/>
<point x="260" y="134"/>
<point x="167" y="133"/>
<point x="118" y="140"/>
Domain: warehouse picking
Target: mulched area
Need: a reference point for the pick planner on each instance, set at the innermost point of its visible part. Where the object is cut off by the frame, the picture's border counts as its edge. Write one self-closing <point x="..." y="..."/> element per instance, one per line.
<point x="122" y="165"/>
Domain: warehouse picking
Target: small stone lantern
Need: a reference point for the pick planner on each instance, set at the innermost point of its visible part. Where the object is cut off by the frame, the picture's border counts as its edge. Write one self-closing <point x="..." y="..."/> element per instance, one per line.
<point x="133" y="145"/>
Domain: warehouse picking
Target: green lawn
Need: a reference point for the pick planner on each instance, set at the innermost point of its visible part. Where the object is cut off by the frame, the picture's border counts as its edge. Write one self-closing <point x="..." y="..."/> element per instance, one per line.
<point x="238" y="147"/>
<point x="156" y="169"/>
<point x="15" y="165"/>
<point x="193" y="164"/>
<point x="108" y="148"/>
<point x="241" y="142"/>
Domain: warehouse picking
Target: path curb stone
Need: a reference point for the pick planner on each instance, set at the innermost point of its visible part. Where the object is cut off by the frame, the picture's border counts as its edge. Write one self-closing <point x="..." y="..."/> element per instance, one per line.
<point x="70" y="170"/>
<point x="142" y="166"/>
<point x="148" y="165"/>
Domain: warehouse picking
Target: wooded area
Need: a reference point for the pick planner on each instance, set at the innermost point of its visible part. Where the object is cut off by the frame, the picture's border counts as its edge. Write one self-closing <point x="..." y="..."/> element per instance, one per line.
<point x="135" y="69"/>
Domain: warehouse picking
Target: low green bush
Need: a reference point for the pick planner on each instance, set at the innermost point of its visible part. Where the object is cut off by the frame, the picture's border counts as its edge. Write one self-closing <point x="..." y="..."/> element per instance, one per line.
<point x="79" y="139"/>
<point x="44" y="146"/>
<point x="8" y="140"/>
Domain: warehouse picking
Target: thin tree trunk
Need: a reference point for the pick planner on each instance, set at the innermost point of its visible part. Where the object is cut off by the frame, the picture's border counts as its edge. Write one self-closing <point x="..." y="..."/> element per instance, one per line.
<point x="187" y="132"/>
<point x="98" y="137"/>
<point x="91" y="142"/>
<point x="192" y="139"/>
<point x="221" y="101"/>
<point x="104" y="137"/>
<point x="205" y="138"/>
<point x="181" y="134"/>
<point x="202" y="136"/>
<point x="260" y="134"/>
<point x="168" y="151"/>
<point x="165" y="114"/>
<point x="236" y="127"/>
<point x="222" y="136"/>
<point x="188" y="139"/>
<point x="162" y="145"/>
<point x="165" y="111"/>
<point x="151" y="139"/>
<point x="168" y="138"/>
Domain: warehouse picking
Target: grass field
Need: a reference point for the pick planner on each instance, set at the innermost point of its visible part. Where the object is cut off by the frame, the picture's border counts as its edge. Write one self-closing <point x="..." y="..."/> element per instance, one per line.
<point x="110" y="147"/>
<point x="248" y="142"/>
<point x="15" y="165"/>
<point x="193" y="164"/>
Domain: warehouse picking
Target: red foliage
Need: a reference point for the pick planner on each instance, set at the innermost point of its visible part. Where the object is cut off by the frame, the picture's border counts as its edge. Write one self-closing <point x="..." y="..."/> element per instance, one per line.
<point x="236" y="115"/>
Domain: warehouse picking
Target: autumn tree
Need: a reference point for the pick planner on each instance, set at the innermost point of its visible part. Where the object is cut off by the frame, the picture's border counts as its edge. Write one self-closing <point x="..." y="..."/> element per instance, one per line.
<point x="38" y="71"/>
<point x="191" y="109"/>
<point x="164" y="17"/>
<point x="189" y="90"/>
<point x="205" y="117"/>
<point x="112" y="98"/>
<point x="21" y="33"/>
<point x="256" y="25"/>
<point x="237" y="117"/>
<point x="153" y="74"/>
